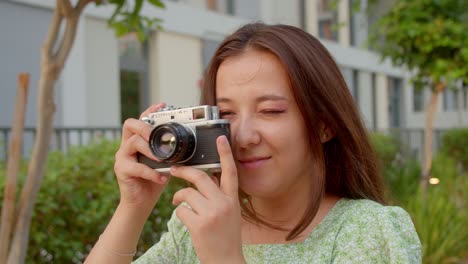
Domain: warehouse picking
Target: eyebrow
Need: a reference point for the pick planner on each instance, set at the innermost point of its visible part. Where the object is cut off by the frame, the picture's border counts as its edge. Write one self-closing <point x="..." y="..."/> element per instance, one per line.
<point x="268" y="97"/>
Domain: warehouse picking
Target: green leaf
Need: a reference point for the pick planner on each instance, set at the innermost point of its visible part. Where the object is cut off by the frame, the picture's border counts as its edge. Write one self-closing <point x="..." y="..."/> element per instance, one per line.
<point x="157" y="3"/>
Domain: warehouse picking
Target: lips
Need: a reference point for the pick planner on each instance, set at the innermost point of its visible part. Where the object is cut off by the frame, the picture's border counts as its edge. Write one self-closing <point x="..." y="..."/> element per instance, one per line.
<point x="253" y="162"/>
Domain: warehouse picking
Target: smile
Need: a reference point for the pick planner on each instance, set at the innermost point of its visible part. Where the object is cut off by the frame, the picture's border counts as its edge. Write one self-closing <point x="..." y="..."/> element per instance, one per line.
<point x="253" y="163"/>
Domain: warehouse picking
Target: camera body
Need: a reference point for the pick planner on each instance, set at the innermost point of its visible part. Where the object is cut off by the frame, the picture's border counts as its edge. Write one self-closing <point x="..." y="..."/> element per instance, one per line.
<point x="185" y="136"/>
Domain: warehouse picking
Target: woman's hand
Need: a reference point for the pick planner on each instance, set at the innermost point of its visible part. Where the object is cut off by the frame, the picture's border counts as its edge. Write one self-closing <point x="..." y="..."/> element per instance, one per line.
<point x="140" y="185"/>
<point x="214" y="218"/>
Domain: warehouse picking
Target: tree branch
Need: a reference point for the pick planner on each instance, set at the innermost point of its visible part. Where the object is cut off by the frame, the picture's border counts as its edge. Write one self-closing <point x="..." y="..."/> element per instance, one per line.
<point x="52" y="34"/>
<point x="67" y="42"/>
<point x="70" y="33"/>
<point x="65" y="7"/>
<point x="13" y="164"/>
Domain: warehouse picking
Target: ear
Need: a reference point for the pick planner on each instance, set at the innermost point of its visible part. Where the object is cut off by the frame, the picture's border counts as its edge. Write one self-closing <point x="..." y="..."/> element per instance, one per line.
<point x="326" y="133"/>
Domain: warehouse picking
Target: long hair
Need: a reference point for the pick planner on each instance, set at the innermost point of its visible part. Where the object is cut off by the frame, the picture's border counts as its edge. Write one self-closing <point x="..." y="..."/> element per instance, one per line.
<point x="346" y="164"/>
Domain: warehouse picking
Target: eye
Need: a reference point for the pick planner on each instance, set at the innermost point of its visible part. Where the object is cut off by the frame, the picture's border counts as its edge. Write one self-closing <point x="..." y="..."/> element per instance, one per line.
<point x="272" y="111"/>
<point x="225" y="113"/>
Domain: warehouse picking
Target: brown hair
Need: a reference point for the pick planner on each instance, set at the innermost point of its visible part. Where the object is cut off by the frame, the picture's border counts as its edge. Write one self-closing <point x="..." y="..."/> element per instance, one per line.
<point x="347" y="165"/>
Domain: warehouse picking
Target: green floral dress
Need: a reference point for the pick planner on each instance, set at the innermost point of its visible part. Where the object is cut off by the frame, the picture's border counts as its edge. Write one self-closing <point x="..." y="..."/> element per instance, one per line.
<point x="354" y="231"/>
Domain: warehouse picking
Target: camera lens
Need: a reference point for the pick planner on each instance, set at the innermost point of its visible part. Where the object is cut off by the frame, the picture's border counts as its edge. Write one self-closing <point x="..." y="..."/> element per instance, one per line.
<point x="172" y="142"/>
<point x="166" y="143"/>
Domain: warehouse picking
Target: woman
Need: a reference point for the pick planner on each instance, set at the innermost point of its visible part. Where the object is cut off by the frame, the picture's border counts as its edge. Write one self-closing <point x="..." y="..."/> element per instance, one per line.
<point x="299" y="183"/>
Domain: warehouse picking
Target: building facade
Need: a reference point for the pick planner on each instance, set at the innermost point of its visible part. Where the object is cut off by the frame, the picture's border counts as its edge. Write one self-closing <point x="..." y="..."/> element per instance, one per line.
<point x="105" y="76"/>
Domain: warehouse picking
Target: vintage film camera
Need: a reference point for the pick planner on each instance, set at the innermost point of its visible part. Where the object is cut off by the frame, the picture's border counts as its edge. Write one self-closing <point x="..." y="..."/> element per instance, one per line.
<point x="185" y="136"/>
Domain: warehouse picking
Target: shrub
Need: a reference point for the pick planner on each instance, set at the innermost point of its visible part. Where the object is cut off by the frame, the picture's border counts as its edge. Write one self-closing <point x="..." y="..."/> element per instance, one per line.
<point x="76" y="201"/>
<point x="441" y="220"/>
<point x="400" y="175"/>
<point x="455" y="144"/>
<point x="386" y="147"/>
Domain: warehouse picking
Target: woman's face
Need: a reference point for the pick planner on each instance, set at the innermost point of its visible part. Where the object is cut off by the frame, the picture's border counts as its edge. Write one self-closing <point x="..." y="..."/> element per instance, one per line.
<point x="269" y="138"/>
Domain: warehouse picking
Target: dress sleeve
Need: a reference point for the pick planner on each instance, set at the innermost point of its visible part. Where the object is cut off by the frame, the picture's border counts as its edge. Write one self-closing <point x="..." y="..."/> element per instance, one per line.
<point x="377" y="234"/>
<point x="168" y="248"/>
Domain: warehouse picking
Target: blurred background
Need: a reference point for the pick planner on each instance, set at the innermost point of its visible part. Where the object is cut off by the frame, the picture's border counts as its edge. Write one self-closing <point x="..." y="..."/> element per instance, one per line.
<point x="108" y="79"/>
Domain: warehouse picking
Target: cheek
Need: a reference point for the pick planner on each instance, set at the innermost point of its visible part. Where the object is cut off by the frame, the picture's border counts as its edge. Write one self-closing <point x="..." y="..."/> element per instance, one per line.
<point x="292" y="140"/>
<point x="233" y="131"/>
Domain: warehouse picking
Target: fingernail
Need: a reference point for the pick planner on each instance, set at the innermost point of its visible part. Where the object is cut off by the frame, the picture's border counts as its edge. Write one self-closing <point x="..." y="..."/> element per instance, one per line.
<point x="222" y="139"/>
<point x="163" y="179"/>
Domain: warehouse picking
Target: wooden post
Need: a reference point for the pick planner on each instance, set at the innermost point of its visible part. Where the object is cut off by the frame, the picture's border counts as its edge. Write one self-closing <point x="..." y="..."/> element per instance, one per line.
<point x="14" y="158"/>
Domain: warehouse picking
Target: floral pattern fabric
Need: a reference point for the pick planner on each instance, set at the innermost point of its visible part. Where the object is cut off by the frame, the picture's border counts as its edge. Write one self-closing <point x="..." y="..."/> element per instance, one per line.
<point x="354" y="231"/>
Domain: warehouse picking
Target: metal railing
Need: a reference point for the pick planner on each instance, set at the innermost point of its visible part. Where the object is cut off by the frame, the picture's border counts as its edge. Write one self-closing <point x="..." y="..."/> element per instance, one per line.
<point x="62" y="139"/>
<point x="412" y="140"/>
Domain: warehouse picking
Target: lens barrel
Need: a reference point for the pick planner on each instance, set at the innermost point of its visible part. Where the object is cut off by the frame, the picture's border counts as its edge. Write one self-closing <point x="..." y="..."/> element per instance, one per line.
<point x="172" y="142"/>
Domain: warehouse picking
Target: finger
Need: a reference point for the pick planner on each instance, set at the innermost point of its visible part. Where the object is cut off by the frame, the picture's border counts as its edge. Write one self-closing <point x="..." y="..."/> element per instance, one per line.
<point x="152" y="108"/>
<point x="133" y="126"/>
<point x="199" y="178"/>
<point x="136" y="144"/>
<point x="192" y="197"/>
<point x="187" y="216"/>
<point x="125" y="169"/>
<point x="228" y="181"/>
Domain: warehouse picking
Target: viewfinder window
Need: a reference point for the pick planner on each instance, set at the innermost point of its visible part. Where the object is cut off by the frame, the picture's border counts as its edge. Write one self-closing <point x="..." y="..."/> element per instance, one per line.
<point x="198" y="113"/>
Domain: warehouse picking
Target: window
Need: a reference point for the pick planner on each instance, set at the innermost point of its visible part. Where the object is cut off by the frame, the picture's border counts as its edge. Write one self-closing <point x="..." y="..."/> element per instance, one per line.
<point x="222" y="6"/>
<point x="418" y="100"/>
<point x="450" y="100"/>
<point x="327" y="20"/>
<point x="465" y="96"/>
<point x="130" y="83"/>
<point x="374" y="100"/>
<point x="349" y="76"/>
<point x="358" y="22"/>
<point x="395" y="101"/>
<point x="356" y="85"/>
<point x="133" y="76"/>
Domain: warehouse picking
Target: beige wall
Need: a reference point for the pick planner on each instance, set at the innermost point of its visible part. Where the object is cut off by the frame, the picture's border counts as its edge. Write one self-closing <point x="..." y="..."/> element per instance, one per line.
<point x="311" y="23"/>
<point x="90" y="80"/>
<point x="343" y="21"/>
<point x="102" y="72"/>
<point x="365" y="97"/>
<point x="175" y="68"/>
<point x="381" y="106"/>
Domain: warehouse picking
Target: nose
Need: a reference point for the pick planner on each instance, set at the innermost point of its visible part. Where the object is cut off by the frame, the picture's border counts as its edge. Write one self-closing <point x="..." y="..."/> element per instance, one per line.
<point x="245" y="132"/>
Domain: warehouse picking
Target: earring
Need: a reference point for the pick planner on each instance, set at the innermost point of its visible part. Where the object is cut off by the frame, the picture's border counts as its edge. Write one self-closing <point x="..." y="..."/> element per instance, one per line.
<point x="325" y="135"/>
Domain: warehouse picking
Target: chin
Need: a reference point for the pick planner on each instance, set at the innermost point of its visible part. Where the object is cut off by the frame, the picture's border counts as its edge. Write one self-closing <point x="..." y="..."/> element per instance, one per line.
<point x="257" y="186"/>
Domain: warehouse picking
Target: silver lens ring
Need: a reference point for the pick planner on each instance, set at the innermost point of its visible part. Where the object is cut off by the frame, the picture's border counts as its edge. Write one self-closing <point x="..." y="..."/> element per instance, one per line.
<point x="172" y="142"/>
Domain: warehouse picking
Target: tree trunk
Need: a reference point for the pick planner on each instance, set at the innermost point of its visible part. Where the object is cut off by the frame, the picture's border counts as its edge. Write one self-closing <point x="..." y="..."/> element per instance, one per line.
<point x="14" y="158"/>
<point x="51" y="66"/>
<point x="431" y="110"/>
<point x="29" y="192"/>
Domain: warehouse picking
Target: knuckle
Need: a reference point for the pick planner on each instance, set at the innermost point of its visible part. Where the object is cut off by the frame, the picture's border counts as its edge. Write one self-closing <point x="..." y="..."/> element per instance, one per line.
<point x="117" y="166"/>
<point x="180" y="194"/>
<point x="132" y="139"/>
<point x="179" y="212"/>
<point x="198" y="177"/>
<point x="127" y="122"/>
<point x="189" y="191"/>
<point x="117" y="154"/>
<point x="136" y="169"/>
<point x="212" y="219"/>
<point x="225" y="208"/>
